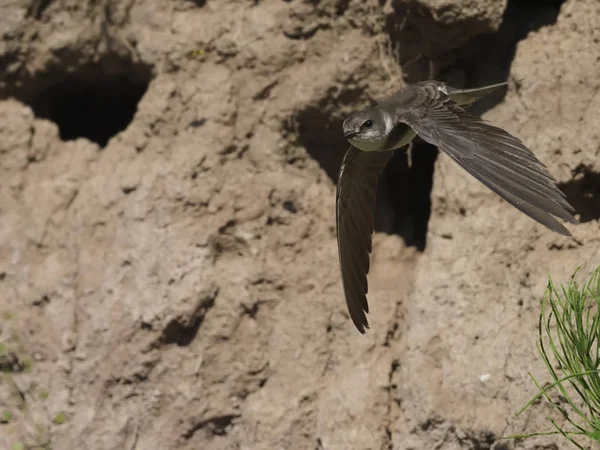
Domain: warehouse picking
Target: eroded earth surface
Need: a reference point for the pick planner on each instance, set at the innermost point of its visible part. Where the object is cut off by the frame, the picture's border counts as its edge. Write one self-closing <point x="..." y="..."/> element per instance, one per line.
<point x="168" y="263"/>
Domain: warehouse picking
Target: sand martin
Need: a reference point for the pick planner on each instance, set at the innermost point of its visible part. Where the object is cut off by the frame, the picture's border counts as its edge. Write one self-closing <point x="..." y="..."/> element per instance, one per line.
<point x="434" y="111"/>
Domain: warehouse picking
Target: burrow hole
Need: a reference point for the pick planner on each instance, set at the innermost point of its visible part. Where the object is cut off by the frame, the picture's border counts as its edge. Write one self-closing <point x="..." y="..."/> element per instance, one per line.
<point x="583" y="192"/>
<point x="485" y="59"/>
<point x="95" y="101"/>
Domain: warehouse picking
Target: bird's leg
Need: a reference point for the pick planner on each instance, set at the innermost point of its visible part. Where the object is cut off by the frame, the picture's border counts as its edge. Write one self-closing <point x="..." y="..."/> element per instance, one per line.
<point x="409" y="148"/>
<point x="433" y="69"/>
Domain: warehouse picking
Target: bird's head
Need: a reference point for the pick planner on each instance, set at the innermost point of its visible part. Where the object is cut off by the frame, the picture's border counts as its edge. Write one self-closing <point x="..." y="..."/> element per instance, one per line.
<point x="365" y="127"/>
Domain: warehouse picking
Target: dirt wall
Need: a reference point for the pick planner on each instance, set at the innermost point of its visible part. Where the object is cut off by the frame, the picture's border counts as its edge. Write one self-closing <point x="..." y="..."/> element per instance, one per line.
<point x="168" y="264"/>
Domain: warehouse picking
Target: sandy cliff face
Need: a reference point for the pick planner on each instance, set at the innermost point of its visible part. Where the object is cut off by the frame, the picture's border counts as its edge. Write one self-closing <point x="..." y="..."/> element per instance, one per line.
<point x="170" y="279"/>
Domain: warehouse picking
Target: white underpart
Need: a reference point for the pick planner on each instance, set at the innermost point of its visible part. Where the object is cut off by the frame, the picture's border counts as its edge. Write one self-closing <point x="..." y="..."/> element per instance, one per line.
<point x="369" y="145"/>
<point x="406" y="139"/>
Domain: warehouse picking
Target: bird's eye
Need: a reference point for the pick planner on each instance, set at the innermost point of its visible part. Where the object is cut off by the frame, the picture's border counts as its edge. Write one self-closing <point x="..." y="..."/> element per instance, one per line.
<point x="368" y="124"/>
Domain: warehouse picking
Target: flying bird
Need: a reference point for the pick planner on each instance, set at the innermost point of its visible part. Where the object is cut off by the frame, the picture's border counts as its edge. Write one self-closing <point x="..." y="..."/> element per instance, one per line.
<point x="434" y="111"/>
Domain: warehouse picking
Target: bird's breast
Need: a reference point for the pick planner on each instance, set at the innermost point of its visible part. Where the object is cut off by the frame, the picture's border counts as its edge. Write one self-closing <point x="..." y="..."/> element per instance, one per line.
<point x="369" y="145"/>
<point x="400" y="136"/>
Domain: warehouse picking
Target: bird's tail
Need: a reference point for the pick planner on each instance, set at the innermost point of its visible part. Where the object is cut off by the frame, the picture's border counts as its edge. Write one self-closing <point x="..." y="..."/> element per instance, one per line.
<point x="464" y="97"/>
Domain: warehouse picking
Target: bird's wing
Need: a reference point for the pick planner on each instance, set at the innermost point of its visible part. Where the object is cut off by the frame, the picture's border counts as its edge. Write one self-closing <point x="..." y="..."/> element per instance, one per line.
<point x="497" y="159"/>
<point x="355" y="210"/>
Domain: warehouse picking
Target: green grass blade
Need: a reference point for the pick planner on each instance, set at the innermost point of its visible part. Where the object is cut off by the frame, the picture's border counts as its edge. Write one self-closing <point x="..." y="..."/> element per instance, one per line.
<point x="569" y="345"/>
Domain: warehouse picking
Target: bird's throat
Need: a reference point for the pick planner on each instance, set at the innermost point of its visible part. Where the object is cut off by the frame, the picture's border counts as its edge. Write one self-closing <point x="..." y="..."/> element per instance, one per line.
<point x="368" y="145"/>
<point x="398" y="137"/>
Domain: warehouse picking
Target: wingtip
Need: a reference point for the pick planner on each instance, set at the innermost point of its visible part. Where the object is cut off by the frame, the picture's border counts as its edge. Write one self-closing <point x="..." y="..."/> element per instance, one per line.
<point x="561" y="229"/>
<point x="362" y="327"/>
<point x="572" y="220"/>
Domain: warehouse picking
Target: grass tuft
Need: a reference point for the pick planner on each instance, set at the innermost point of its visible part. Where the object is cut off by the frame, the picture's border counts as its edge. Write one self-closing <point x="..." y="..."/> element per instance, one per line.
<point x="569" y="344"/>
<point x="6" y="417"/>
<point x="60" y="418"/>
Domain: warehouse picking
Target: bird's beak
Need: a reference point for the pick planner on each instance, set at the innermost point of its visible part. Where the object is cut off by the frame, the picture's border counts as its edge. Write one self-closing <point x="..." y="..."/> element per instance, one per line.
<point x="349" y="134"/>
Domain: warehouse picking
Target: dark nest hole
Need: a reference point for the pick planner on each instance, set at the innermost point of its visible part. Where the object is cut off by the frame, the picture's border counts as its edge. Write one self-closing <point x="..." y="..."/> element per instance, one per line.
<point x="485" y="59"/>
<point x="583" y="193"/>
<point x="322" y="137"/>
<point x="407" y="192"/>
<point x="404" y="193"/>
<point x="95" y="101"/>
<point x="96" y="110"/>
